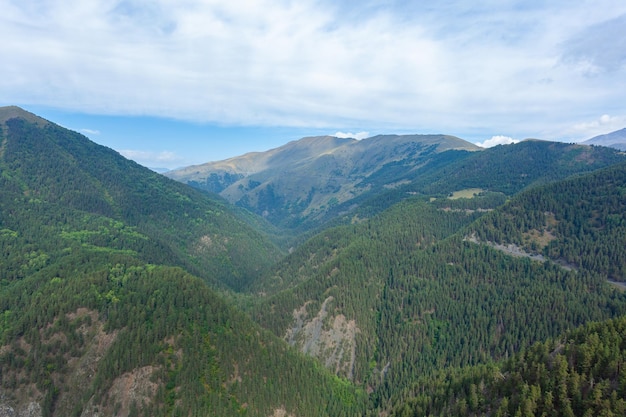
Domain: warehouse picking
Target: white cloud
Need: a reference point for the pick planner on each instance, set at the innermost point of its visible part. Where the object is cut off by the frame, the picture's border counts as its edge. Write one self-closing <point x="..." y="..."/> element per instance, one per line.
<point x="497" y="140"/>
<point x="165" y="159"/>
<point x="314" y="63"/>
<point x="359" y="135"/>
<point x="586" y="130"/>
<point x="89" y="131"/>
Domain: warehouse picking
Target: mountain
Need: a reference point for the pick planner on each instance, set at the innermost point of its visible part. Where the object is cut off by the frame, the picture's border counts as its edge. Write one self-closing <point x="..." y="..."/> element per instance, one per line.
<point x="498" y="172"/>
<point x="317" y="181"/>
<point x="577" y="223"/>
<point x="422" y="286"/>
<point x="52" y="169"/>
<point x="302" y="180"/>
<point x="123" y="292"/>
<point x="99" y="313"/>
<point x="615" y="140"/>
<point x="511" y="168"/>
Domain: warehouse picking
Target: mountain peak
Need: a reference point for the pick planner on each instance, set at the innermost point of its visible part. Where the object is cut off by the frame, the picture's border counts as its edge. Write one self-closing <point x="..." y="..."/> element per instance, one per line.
<point x="15" y="112"/>
<point x="615" y="139"/>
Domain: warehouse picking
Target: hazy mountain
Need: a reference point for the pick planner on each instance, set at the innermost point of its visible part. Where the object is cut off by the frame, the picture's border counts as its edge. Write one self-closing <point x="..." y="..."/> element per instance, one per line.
<point x="159" y="170"/>
<point x="304" y="179"/>
<point x="615" y="139"/>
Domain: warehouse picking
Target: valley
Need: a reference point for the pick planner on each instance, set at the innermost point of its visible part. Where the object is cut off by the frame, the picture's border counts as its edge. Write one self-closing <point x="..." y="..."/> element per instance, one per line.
<point x="397" y="275"/>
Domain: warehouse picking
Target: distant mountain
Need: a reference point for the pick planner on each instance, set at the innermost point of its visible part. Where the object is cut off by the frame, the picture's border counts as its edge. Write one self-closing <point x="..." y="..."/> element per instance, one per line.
<point x="99" y="314"/>
<point x="512" y="168"/>
<point x="500" y="171"/>
<point x="310" y="182"/>
<point x="615" y="140"/>
<point x="304" y="179"/>
<point x="159" y="170"/>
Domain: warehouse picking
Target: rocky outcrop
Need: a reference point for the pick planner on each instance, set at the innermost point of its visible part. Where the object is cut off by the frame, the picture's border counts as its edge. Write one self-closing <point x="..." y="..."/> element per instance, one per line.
<point x="31" y="409"/>
<point x="327" y="337"/>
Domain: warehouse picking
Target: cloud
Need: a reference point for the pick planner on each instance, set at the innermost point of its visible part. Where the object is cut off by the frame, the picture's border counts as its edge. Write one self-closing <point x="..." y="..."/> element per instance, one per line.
<point x="358" y="136"/>
<point x="316" y="63"/>
<point x="497" y="140"/>
<point x="588" y="129"/>
<point x="165" y="159"/>
<point x="599" y="47"/>
<point x="89" y="131"/>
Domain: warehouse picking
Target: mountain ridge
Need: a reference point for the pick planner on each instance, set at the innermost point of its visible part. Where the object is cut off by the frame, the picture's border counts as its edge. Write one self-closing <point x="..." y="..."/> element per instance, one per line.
<point x="11" y="112"/>
<point x="616" y="139"/>
<point x="96" y="179"/>
<point x="99" y="313"/>
<point x="301" y="180"/>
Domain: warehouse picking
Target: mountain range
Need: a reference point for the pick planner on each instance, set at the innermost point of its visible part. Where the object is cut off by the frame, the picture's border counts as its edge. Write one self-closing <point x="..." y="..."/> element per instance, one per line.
<point x="443" y="280"/>
<point x="306" y="183"/>
<point x="302" y="180"/>
<point x="615" y="139"/>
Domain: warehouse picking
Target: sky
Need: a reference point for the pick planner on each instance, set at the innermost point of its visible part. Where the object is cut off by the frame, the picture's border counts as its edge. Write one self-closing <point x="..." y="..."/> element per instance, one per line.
<point x="174" y="83"/>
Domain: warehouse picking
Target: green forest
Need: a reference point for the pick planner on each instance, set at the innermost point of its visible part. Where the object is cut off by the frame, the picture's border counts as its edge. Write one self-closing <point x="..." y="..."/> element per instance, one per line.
<point x="580" y="373"/>
<point x="125" y="293"/>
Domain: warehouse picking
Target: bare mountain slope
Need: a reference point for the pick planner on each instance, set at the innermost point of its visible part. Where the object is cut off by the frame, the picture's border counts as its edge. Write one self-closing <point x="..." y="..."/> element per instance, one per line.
<point x="304" y="178"/>
<point x="615" y="140"/>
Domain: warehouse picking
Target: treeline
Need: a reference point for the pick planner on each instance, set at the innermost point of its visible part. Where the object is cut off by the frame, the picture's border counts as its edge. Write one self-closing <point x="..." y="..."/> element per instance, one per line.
<point x="579" y="374"/>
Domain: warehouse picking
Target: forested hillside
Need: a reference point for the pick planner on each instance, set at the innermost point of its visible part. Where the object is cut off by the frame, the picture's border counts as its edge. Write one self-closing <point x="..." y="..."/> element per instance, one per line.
<point x="111" y="335"/>
<point x="406" y="293"/>
<point x="97" y="319"/>
<point x="444" y="288"/>
<point x="581" y="373"/>
<point x="48" y="170"/>
<point x="578" y="223"/>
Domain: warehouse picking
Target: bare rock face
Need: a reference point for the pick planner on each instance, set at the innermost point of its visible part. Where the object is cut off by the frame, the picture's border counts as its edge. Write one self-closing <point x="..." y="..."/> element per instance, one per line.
<point x="6" y="411"/>
<point x="31" y="409"/>
<point x="329" y="338"/>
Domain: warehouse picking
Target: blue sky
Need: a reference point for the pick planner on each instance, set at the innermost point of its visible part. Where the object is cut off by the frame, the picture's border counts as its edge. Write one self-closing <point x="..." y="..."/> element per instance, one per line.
<point x="173" y="83"/>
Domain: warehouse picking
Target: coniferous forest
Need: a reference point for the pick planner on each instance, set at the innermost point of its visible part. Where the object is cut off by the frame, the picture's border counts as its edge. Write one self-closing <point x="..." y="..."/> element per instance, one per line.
<point x="480" y="283"/>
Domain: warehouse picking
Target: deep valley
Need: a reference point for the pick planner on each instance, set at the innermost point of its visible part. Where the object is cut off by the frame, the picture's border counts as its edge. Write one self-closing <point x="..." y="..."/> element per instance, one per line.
<point x="398" y="275"/>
